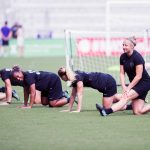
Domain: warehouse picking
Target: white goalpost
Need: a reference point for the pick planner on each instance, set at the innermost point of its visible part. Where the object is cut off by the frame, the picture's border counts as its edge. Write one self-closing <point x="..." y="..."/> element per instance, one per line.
<point x="100" y="50"/>
<point x="93" y="52"/>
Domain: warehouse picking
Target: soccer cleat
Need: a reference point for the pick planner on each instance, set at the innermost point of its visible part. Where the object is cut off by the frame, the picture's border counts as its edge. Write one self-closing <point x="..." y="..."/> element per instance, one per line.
<point x="66" y="95"/>
<point x="2" y="89"/>
<point x="101" y="110"/>
<point x="15" y="95"/>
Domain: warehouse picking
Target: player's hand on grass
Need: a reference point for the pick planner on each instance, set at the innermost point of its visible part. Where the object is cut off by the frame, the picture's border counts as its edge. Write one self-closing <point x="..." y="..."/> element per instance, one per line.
<point x="75" y="111"/>
<point x="24" y="107"/>
<point x="67" y="110"/>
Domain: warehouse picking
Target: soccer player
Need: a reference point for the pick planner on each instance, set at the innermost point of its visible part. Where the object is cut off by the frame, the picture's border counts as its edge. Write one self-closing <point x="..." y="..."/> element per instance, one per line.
<point x="133" y="64"/>
<point x="7" y="93"/>
<point x="104" y="83"/>
<point x="5" y="75"/>
<point x="47" y="82"/>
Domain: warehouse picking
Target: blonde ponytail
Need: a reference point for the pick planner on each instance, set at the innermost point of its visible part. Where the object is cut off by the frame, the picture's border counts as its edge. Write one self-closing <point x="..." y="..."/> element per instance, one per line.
<point x="70" y="74"/>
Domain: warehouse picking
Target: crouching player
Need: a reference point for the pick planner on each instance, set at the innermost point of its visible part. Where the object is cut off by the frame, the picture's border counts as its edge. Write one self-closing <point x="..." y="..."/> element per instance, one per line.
<point x="6" y="92"/>
<point x="104" y="83"/>
<point x="47" y="82"/>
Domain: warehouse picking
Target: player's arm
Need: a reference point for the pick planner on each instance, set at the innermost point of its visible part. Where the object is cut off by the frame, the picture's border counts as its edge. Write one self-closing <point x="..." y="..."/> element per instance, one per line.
<point x="26" y="95"/>
<point x="72" y="98"/>
<point x="137" y="78"/>
<point x="9" y="35"/>
<point x="32" y="94"/>
<point x="79" y="95"/>
<point x="8" y="90"/>
<point x="122" y="77"/>
<point x="2" y="35"/>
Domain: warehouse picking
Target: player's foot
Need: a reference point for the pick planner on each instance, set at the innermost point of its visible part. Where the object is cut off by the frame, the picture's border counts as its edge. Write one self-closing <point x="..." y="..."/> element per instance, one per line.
<point x="4" y="103"/>
<point x="2" y="89"/>
<point x="15" y="95"/>
<point x="66" y="95"/>
<point x="101" y="110"/>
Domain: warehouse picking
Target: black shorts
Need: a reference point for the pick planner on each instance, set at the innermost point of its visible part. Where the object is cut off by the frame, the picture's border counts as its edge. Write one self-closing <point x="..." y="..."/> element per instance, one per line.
<point x="111" y="87"/>
<point x="142" y="89"/>
<point x="54" y="92"/>
<point x="5" y="43"/>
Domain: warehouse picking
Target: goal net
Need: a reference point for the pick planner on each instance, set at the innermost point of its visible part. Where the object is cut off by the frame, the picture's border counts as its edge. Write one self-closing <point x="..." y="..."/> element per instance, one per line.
<point x="100" y="51"/>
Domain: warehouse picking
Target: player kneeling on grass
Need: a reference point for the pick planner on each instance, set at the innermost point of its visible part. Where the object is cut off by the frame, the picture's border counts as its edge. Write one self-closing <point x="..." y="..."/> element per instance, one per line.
<point x="104" y="83"/>
<point x="47" y="82"/>
<point x="6" y="92"/>
<point x="3" y="96"/>
<point x="132" y="63"/>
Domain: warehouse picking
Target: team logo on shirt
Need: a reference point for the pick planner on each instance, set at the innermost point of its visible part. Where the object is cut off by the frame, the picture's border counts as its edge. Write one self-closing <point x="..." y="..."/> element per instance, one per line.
<point x="32" y="71"/>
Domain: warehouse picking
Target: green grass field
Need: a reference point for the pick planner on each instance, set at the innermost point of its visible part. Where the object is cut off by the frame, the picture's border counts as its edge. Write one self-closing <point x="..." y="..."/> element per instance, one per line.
<point x="43" y="128"/>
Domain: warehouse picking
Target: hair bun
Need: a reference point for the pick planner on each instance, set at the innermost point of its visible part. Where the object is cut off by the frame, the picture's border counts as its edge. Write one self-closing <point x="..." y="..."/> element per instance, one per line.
<point x="16" y="68"/>
<point x="132" y="40"/>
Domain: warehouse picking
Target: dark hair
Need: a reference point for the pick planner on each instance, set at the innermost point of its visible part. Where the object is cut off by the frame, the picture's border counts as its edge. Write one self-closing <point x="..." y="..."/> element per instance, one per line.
<point x="5" y="22"/>
<point x="16" y="68"/>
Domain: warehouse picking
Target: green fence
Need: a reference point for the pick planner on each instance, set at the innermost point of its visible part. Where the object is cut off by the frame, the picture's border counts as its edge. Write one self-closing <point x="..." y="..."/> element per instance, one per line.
<point x="39" y="48"/>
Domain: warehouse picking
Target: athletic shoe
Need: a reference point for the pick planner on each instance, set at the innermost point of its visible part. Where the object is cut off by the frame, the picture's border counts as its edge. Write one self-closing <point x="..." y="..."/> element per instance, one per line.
<point x="66" y="94"/>
<point x="4" y="103"/>
<point x="2" y="89"/>
<point x="15" y="95"/>
<point x="101" y="110"/>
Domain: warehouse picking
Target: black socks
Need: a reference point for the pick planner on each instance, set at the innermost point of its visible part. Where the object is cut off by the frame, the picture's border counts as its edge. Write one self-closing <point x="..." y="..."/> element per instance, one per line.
<point x="129" y="107"/>
<point x="108" y="111"/>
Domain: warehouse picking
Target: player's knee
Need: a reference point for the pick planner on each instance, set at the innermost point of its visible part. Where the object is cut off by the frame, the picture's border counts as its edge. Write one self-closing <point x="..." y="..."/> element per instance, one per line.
<point x="137" y="112"/>
<point x="52" y="103"/>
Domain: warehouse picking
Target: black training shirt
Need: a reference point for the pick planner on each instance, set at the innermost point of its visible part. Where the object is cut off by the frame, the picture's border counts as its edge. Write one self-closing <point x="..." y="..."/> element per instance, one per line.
<point x="42" y="80"/>
<point x="94" y="80"/>
<point x="6" y="74"/>
<point x="130" y="63"/>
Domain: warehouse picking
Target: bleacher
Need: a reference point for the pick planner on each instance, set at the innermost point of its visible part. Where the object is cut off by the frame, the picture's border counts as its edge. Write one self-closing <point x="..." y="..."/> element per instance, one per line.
<point x="46" y="16"/>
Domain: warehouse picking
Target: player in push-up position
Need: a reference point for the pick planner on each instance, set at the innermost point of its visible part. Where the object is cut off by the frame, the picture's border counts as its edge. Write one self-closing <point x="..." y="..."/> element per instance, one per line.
<point x="47" y="82"/>
<point x="104" y="83"/>
<point x="133" y="64"/>
<point x="6" y="92"/>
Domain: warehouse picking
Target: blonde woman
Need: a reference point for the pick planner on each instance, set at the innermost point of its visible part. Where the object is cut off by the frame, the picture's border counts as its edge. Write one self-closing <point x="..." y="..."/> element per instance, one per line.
<point x="104" y="83"/>
<point x="133" y="64"/>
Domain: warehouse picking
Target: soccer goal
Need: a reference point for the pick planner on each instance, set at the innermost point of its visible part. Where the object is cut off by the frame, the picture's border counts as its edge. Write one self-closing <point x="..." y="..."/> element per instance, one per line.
<point x="100" y="51"/>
